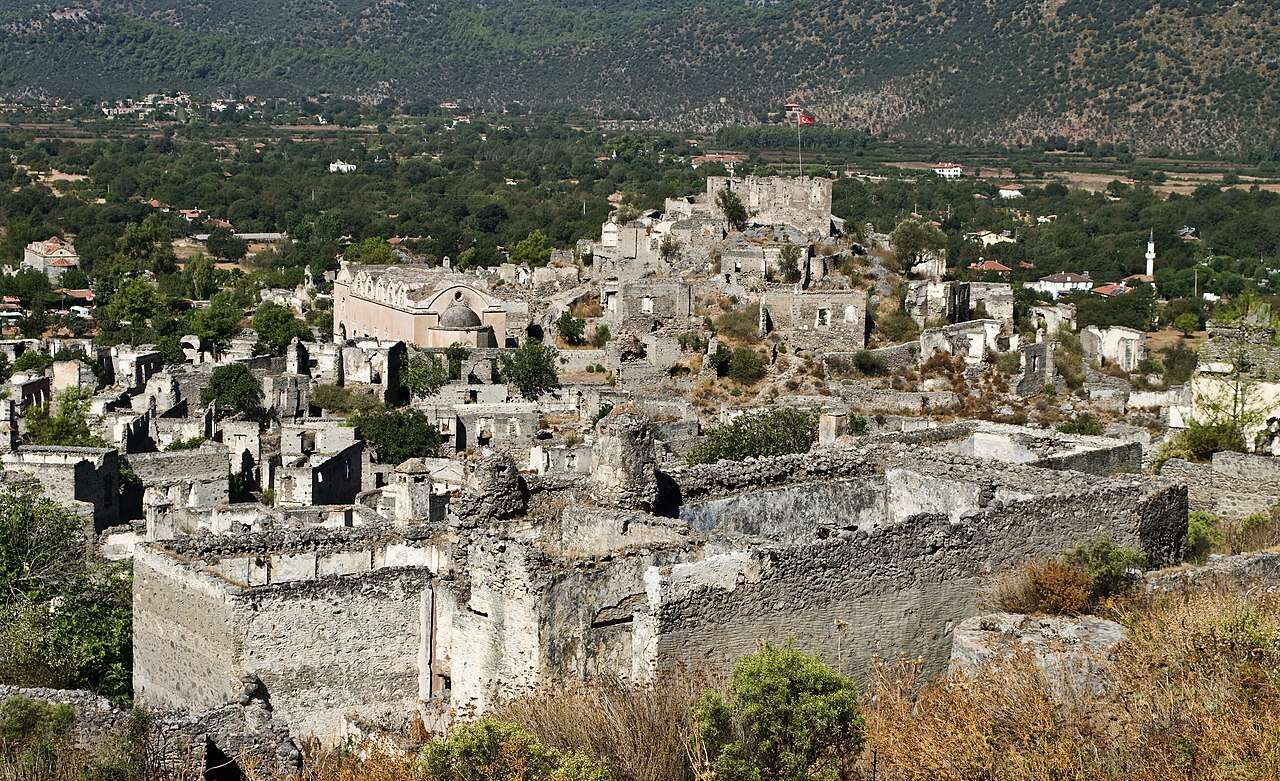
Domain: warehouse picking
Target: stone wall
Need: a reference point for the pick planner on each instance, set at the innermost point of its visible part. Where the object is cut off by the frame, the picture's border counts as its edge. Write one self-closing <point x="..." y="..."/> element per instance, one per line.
<point x="1232" y="486"/>
<point x="895" y="589"/>
<point x="330" y="625"/>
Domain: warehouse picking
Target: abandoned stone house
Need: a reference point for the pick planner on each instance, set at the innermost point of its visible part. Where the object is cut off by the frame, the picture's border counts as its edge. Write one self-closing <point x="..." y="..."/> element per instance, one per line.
<point x="1114" y="346"/>
<point x="929" y="302"/>
<point x="803" y="203"/>
<point x="646" y="305"/>
<point x="971" y="340"/>
<point x="533" y="582"/>
<point x="815" y="318"/>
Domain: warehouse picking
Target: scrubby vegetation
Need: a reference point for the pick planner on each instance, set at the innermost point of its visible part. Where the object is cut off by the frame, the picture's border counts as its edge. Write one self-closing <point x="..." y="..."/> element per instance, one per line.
<point x="771" y="432"/>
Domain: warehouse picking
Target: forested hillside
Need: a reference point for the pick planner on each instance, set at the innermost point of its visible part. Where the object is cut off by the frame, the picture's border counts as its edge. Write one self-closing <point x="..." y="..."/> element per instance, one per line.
<point x="1189" y="75"/>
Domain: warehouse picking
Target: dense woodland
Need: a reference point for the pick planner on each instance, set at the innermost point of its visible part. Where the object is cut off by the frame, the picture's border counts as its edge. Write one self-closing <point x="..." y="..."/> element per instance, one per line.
<point x="516" y="186"/>
<point x="1185" y="74"/>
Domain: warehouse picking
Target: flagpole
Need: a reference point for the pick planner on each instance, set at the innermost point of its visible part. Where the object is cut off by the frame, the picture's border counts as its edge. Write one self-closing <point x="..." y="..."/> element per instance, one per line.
<point x="799" y="154"/>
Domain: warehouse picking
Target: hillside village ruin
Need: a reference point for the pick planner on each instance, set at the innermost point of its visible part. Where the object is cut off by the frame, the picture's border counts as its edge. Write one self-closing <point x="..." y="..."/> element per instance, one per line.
<point x="563" y="537"/>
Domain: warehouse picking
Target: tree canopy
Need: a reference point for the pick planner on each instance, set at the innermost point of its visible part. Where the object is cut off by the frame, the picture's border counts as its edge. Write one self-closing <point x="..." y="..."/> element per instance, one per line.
<point x="531" y="367"/>
<point x="234" y="389"/>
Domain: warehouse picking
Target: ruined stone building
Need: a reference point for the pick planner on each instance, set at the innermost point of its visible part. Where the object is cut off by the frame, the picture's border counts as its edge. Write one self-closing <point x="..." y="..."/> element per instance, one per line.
<point x="625" y="570"/>
<point x="815" y="318"/>
<point x="801" y="202"/>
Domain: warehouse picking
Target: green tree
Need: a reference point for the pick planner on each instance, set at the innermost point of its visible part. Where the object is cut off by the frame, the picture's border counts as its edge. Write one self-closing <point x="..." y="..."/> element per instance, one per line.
<point x="731" y="207"/>
<point x="31" y="361"/>
<point x="276" y="328"/>
<point x="669" y="250"/>
<point x="500" y="751"/>
<point x="531" y="367"/>
<point x="217" y="323"/>
<point x="370" y="252"/>
<point x="746" y="366"/>
<point x="423" y="375"/>
<point x="65" y="621"/>
<point x="914" y="241"/>
<point x="200" y="277"/>
<point x="570" y="328"/>
<point x="397" y="435"/>
<point x="1187" y="323"/>
<point x="533" y="250"/>
<point x="456" y="354"/>
<point x="64" y="422"/>
<point x="769" y="432"/>
<point x="136" y="301"/>
<point x="785" y="716"/>
<point x="222" y="243"/>
<point x="789" y="262"/>
<point x="233" y="388"/>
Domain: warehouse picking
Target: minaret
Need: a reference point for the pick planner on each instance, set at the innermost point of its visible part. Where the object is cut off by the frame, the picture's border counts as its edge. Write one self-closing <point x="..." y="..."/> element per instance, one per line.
<point x="1151" y="254"/>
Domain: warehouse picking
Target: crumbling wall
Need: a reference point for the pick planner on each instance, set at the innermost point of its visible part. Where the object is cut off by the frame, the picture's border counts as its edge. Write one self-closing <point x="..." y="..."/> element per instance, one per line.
<point x="891" y="589"/>
<point x="184" y="630"/>
<point x="336" y="645"/>
<point x="1232" y="486"/>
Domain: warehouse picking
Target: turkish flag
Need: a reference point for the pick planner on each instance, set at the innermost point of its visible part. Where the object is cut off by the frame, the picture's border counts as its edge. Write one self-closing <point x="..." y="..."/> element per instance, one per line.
<point x="804" y="119"/>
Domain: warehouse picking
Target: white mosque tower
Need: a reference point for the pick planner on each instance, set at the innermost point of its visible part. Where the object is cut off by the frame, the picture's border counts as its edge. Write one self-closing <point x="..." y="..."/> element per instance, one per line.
<point x="1151" y="254"/>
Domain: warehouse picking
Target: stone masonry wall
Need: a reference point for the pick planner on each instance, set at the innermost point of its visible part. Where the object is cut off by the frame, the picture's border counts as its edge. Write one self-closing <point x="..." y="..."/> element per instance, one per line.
<point x="896" y="589"/>
<point x="1233" y="486"/>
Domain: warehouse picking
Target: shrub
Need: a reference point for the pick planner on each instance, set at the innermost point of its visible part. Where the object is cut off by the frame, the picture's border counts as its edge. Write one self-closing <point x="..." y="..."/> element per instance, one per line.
<point x="1053" y="586"/>
<point x="858" y="425"/>
<point x="897" y="327"/>
<point x="1086" y="424"/>
<point x="1253" y="532"/>
<point x="720" y="360"/>
<point x="600" y="337"/>
<point x="500" y="751"/>
<point x="334" y="398"/>
<point x="1009" y="363"/>
<point x="785" y="716"/>
<point x="1203" y="536"/>
<point x="746" y="366"/>
<point x="742" y="325"/>
<point x="185" y="444"/>
<point x="641" y="732"/>
<point x="770" y="432"/>
<point x="570" y="328"/>
<point x="1109" y="566"/>
<point x="869" y="363"/>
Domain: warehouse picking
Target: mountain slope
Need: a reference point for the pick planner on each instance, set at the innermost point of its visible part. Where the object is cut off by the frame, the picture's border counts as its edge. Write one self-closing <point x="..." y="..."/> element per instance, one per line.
<point x="1189" y="74"/>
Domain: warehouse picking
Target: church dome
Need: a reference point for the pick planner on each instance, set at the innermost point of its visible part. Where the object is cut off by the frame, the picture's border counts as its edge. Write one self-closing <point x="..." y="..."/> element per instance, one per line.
<point x="459" y="315"/>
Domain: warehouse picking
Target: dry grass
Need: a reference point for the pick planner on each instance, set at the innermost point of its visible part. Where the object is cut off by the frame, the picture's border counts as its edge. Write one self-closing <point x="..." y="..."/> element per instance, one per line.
<point x="1050" y="586"/>
<point x="643" y="733"/>
<point x="1196" y="698"/>
<point x="1194" y="695"/>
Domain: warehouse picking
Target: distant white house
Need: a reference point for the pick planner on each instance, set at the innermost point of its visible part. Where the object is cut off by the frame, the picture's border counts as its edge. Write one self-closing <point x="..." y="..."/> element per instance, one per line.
<point x="1009" y="191"/>
<point x="990" y="238"/>
<point x="341" y="167"/>
<point x="948" y="170"/>
<point x="1062" y="283"/>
